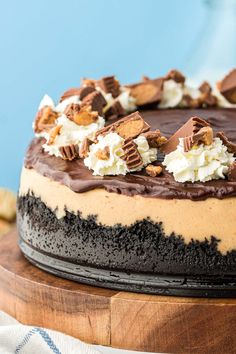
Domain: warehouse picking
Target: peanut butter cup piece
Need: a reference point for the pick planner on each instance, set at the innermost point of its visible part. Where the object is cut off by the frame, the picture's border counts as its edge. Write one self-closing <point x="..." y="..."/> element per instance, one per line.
<point x="89" y="82"/>
<point x="81" y="92"/>
<point x="227" y="86"/>
<point x="128" y="127"/>
<point x="79" y="115"/>
<point x="110" y="84"/>
<point x="69" y="152"/>
<point x="203" y="136"/>
<point x="95" y="102"/>
<point x="131" y="154"/>
<point x="175" y="75"/>
<point x="189" y="129"/>
<point x="131" y="126"/>
<point x="153" y="170"/>
<point x="45" y="119"/>
<point x="54" y="132"/>
<point x="71" y="110"/>
<point x="103" y="154"/>
<point x="84" y="148"/>
<point x="85" y="117"/>
<point x="154" y="138"/>
<point x="232" y="173"/>
<point x="229" y="144"/>
<point x="147" y="92"/>
<point x="69" y="93"/>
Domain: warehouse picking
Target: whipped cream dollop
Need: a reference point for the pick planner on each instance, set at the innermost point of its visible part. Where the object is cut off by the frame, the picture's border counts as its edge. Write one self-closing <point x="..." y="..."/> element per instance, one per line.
<point x="148" y="154"/>
<point x="202" y="163"/>
<point x="114" y="164"/>
<point x="71" y="133"/>
<point x="193" y="92"/>
<point x="172" y="94"/>
<point x="46" y="101"/>
<point x="126" y="100"/>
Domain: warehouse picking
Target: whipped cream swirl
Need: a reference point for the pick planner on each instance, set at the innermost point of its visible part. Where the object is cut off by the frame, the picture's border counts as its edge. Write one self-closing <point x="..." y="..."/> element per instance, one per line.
<point x="71" y="133"/>
<point x="172" y="94"/>
<point x="202" y="163"/>
<point x="46" y="101"/>
<point x="126" y="100"/>
<point x="115" y="165"/>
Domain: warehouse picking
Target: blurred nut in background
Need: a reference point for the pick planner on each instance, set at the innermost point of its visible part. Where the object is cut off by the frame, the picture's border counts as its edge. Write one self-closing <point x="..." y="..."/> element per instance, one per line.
<point x="7" y="210"/>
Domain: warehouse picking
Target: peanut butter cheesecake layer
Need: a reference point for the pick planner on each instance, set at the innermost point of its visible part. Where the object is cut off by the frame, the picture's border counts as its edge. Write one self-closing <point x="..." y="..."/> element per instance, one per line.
<point x="142" y="201"/>
<point x="217" y="215"/>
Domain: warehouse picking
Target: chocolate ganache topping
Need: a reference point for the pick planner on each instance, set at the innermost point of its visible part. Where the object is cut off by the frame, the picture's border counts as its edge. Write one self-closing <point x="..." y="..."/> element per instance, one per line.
<point x="78" y="178"/>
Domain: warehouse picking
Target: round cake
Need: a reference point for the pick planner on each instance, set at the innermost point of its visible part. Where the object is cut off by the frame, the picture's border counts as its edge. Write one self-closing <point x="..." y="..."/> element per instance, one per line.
<point x="142" y="201"/>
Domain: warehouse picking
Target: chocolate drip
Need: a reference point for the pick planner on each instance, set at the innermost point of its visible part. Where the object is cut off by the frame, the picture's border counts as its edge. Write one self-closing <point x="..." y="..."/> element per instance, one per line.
<point x="78" y="178"/>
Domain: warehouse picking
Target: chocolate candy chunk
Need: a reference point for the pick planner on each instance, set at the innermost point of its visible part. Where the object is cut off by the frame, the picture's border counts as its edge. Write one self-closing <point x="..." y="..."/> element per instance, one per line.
<point x="131" y="154"/>
<point x="115" y="111"/>
<point x="145" y="78"/>
<point x="203" y="136"/>
<point x="69" y="152"/>
<point x="154" y="138"/>
<point x="205" y="87"/>
<point x="128" y="127"/>
<point x="147" y="92"/>
<point x="85" y="91"/>
<point x="153" y="170"/>
<point x="191" y="127"/>
<point x="175" y="75"/>
<point x="45" y="119"/>
<point x="109" y="84"/>
<point x="71" y="110"/>
<point x="69" y="93"/>
<point x="189" y="102"/>
<point x="81" y="92"/>
<point x="227" y="86"/>
<point x="95" y="102"/>
<point x="207" y="100"/>
<point x="230" y="145"/>
<point x="232" y="172"/>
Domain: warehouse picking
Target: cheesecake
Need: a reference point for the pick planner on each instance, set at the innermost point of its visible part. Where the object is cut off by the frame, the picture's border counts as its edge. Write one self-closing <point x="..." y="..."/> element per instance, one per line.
<point x="133" y="187"/>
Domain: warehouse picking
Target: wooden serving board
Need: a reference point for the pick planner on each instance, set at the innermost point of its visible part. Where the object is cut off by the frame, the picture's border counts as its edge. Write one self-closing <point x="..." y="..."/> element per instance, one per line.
<point x="113" y="318"/>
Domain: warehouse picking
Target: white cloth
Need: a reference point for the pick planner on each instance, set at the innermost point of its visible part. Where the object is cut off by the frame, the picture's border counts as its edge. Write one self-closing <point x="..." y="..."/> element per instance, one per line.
<point x="16" y="338"/>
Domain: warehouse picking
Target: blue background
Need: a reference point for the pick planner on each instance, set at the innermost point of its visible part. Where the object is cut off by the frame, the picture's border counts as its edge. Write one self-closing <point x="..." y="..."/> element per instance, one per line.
<point x="48" y="45"/>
